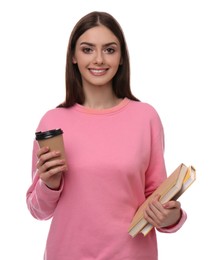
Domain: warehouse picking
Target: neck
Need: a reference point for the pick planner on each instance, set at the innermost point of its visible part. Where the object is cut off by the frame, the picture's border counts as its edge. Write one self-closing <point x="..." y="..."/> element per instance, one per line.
<point x="100" y="97"/>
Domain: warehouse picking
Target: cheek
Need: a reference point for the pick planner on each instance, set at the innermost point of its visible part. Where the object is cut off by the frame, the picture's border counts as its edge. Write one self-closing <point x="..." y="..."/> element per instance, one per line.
<point x="116" y="64"/>
<point x="115" y="61"/>
<point x="84" y="62"/>
<point x="81" y="62"/>
<point x="81" y="67"/>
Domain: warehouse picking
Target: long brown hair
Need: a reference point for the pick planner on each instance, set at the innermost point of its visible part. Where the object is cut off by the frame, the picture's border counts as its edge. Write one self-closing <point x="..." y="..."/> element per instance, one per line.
<point x="121" y="80"/>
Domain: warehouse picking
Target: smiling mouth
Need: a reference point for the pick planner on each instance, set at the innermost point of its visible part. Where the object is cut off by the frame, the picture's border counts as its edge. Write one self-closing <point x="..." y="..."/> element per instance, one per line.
<point x="98" y="72"/>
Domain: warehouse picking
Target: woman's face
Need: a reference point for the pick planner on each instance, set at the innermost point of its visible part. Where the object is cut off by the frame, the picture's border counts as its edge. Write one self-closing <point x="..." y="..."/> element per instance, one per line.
<point x="98" y="56"/>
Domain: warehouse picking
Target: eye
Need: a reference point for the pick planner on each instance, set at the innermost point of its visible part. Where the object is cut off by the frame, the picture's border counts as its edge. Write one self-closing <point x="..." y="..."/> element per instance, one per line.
<point x="110" y="50"/>
<point x="87" y="50"/>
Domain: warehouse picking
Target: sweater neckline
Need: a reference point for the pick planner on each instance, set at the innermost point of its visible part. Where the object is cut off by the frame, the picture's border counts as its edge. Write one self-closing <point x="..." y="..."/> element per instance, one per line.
<point x="113" y="109"/>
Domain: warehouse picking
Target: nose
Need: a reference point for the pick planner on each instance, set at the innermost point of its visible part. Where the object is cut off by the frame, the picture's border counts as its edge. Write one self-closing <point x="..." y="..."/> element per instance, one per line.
<point x="99" y="59"/>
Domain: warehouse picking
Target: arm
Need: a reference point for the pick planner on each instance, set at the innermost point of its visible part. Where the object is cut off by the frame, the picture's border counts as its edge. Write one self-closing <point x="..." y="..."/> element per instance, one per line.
<point x="43" y="195"/>
<point x="168" y="217"/>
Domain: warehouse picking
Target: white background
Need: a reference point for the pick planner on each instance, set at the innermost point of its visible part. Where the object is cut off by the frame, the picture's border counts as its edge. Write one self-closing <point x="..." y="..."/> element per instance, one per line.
<point x="172" y="53"/>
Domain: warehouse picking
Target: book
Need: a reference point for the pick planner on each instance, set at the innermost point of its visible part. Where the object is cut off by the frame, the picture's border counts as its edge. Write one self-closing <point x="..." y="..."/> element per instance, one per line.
<point x="188" y="180"/>
<point x="190" y="177"/>
<point x="170" y="189"/>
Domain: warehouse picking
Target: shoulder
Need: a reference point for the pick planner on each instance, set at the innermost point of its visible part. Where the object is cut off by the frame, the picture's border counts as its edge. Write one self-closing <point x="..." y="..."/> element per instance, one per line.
<point x="52" y="118"/>
<point x="143" y="108"/>
<point x="53" y="113"/>
<point x="146" y="115"/>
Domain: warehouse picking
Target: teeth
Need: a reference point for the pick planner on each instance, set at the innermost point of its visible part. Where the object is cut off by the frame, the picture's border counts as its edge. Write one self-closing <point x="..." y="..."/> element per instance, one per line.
<point x="97" y="71"/>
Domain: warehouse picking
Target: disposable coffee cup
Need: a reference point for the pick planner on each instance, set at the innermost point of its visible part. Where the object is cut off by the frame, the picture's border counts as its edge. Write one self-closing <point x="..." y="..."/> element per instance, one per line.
<point x="53" y="139"/>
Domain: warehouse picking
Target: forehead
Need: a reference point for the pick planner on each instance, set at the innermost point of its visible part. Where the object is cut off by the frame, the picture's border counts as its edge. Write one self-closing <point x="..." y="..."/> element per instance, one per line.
<point x="98" y="35"/>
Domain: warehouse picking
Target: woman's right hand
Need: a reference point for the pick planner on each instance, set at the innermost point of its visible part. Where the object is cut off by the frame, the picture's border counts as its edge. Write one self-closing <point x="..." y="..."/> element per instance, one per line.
<point x="50" y="167"/>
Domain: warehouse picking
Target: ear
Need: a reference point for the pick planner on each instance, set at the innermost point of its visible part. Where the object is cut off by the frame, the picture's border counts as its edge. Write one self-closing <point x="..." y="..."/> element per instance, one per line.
<point x="121" y="61"/>
<point x="74" y="60"/>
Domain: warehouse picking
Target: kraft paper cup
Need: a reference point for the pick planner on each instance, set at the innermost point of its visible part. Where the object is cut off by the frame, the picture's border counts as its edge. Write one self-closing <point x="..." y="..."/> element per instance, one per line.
<point x="53" y="139"/>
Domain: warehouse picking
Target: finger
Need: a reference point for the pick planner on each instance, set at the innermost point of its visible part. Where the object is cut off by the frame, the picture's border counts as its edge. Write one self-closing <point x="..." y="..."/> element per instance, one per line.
<point x="156" y="210"/>
<point x="151" y="211"/>
<point x="51" y="164"/>
<point x="156" y="204"/>
<point x="172" y="204"/>
<point x="42" y="150"/>
<point x="150" y="217"/>
<point x="45" y="176"/>
<point x="47" y="157"/>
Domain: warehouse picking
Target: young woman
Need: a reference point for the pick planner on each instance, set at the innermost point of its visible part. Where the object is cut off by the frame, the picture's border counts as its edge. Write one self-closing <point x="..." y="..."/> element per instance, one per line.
<point x="114" y="155"/>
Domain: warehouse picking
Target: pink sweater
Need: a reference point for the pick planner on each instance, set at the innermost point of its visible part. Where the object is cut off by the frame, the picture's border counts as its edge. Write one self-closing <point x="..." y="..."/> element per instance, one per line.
<point x="115" y="160"/>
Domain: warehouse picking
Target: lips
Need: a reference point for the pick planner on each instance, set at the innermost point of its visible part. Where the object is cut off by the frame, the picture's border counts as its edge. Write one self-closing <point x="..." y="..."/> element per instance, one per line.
<point x="98" y="72"/>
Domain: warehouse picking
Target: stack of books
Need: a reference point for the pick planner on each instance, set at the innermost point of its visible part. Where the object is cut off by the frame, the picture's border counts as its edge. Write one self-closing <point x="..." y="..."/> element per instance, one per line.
<point x="170" y="189"/>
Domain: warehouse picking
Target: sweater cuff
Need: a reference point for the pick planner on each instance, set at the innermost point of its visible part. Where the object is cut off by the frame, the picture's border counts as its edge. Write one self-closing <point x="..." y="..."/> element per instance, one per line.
<point x="175" y="227"/>
<point x="48" y="193"/>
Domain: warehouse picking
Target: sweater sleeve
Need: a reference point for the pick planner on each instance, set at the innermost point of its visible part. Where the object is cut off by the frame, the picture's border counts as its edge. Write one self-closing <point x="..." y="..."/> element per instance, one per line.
<point x="156" y="171"/>
<point x="41" y="201"/>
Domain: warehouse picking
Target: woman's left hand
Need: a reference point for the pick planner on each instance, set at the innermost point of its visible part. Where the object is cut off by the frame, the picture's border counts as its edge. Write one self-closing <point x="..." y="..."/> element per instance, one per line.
<point x="162" y="215"/>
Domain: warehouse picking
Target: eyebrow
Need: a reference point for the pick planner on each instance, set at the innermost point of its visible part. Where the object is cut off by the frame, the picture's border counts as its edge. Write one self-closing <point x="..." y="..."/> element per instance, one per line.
<point x="91" y="44"/>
